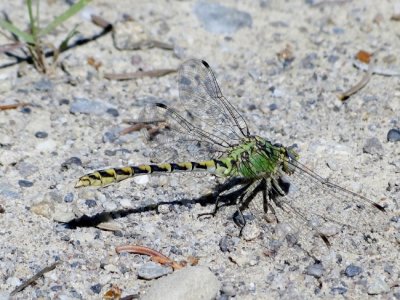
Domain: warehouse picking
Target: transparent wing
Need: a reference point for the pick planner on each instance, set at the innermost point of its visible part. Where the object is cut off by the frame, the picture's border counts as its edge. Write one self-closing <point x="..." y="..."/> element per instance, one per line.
<point x="201" y="96"/>
<point x="321" y="214"/>
<point x="201" y="125"/>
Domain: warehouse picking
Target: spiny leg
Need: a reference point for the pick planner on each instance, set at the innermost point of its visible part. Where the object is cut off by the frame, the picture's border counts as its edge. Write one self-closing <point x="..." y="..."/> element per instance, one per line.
<point x="221" y="189"/>
<point x="245" y="199"/>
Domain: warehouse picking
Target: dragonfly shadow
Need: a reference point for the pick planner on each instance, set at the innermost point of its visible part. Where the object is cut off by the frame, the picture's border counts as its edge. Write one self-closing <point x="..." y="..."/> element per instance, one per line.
<point x="227" y="199"/>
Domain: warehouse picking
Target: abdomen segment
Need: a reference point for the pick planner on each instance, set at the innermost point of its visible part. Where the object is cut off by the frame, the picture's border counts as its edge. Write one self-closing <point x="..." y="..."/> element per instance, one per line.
<point x="108" y="176"/>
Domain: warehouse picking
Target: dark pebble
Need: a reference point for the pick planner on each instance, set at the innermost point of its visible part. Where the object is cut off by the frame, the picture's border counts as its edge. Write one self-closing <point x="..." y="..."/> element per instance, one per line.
<point x="353" y="270"/>
<point x="110" y="152"/>
<point x="393" y="135"/>
<point x="176" y="250"/>
<point x="56" y="288"/>
<point x="25" y="183"/>
<point x="26" y="110"/>
<point x="373" y="146"/>
<point x="110" y="137"/>
<point x="71" y="161"/>
<point x="41" y="134"/>
<point x="226" y="244"/>
<point x="90" y="203"/>
<point x="118" y="233"/>
<point x="338" y="290"/>
<point x="273" y="106"/>
<point x="68" y="198"/>
<point x="96" y="288"/>
<point x="64" y="102"/>
<point x="315" y="270"/>
<point x="113" y="112"/>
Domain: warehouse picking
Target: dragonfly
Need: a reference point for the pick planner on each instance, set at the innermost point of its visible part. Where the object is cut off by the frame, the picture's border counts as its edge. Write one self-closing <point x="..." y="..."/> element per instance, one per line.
<point x="206" y="133"/>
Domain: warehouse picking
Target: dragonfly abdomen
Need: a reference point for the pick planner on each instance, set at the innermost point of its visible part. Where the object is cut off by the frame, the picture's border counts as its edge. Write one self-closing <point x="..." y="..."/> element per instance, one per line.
<point x="108" y="176"/>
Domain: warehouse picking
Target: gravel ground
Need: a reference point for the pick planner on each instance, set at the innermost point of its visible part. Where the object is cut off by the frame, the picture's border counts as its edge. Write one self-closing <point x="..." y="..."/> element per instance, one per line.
<point x="281" y="64"/>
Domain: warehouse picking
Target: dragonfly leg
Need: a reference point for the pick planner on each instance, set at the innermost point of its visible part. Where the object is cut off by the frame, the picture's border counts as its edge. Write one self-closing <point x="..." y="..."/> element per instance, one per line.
<point x="221" y="192"/>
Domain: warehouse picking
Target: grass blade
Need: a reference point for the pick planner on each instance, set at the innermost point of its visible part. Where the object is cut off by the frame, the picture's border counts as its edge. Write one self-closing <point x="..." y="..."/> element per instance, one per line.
<point x="26" y="37"/>
<point x="64" y="16"/>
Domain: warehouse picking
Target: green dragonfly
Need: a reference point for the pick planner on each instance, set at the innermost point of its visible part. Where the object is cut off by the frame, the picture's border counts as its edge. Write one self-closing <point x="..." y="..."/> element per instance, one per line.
<point x="206" y="133"/>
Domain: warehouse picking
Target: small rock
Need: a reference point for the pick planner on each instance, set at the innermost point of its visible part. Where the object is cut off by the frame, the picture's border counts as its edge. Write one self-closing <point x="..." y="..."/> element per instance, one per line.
<point x="68" y="198"/>
<point x="43" y="208"/>
<point x="71" y="161"/>
<point x="142" y="180"/>
<point x="86" y="106"/>
<point x="378" y="286"/>
<point x="393" y="135"/>
<point x="315" y="270"/>
<point x="251" y="231"/>
<point x="26" y="110"/>
<point x="96" y="288"/>
<point x="25" y="183"/>
<point x="338" y="290"/>
<point x="152" y="270"/>
<point x="26" y="169"/>
<point x="353" y="270"/>
<point x="193" y="283"/>
<point x="41" y="134"/>
<point x="226" y="244"/>
<point x="110" y="136"/>
<point x="43" y="85"/>
<point x="62" y="213"/>
<point x="90" y="203"/>
<point x="220" y="19"/>
<point x="373" y="146"/>
<point x="113" y="112"/>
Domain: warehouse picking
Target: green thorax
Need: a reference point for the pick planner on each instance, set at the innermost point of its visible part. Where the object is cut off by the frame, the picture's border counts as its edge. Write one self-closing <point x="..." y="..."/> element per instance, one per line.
<point x="257" y="157"/>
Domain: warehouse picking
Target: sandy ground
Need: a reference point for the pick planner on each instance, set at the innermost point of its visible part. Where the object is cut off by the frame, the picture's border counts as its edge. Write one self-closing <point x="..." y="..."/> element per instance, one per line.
<point x="68" y="129"/>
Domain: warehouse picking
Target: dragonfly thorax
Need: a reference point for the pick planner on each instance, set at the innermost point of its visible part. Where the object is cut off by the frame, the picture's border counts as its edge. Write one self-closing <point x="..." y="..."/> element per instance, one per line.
<point x="257" y="157"/>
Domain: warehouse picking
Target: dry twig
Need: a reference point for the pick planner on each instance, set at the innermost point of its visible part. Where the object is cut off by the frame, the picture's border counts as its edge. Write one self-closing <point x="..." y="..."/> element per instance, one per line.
<point x="139" y="74"/>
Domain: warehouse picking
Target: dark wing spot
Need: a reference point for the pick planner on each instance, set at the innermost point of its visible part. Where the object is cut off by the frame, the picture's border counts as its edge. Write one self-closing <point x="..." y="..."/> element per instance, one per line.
<point x="205" y="64"/>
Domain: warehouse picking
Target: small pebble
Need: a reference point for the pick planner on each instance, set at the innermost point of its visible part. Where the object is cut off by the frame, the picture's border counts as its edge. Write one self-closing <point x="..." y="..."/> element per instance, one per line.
<point x="315" y="270"/>
<point x="353" y="270"/>
<point x="86" y="106"/>
<point x="113" y="112"/>
<point x="251" y="232"/>
<point x="193" y="283"/>
<point x="90" y="203"/>
<point x="338" y="290"/>
<point x="393" y="135"/>
<point x="373" y="146"/>
<point x="41" y="134"/>
<point x="71" y="161"/>
<point x="64" y="102"/>
<point x="96" y="288"/>
<point x="56" y="288"/>
<point x="152" y="270"/>
<point x="378" y="286"/>
<point x="68" y="198"/>
<point x="43" y="85"/>
<point x="220" y="19"/>
<point x="110" y="137"/>
<point x="26" y="110"/>
<point x="226" y="244"/>
<point x="25" y="183"/>
<point x="110" y="152"/>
